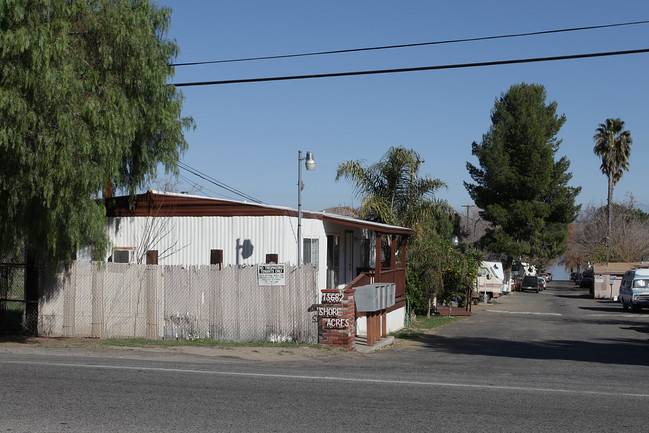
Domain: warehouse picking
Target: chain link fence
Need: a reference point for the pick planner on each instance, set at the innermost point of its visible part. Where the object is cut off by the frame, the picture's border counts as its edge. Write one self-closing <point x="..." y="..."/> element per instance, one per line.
<point x="108" y="300"/>
<point x="12" y="298"/>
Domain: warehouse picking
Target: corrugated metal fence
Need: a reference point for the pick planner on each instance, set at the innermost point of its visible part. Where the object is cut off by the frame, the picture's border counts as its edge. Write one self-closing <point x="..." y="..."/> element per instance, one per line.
<point x="107" y="300"/>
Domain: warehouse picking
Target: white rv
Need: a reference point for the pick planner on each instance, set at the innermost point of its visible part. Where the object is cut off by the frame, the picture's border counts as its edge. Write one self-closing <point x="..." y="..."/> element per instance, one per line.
<point x="634" y="290"/>
<point x="491" y="281"/>
<point x="522" y="269"/>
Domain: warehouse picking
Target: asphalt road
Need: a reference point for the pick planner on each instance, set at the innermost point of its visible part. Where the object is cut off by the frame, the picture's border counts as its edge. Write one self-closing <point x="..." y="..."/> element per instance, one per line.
<point x="547" y="362"/>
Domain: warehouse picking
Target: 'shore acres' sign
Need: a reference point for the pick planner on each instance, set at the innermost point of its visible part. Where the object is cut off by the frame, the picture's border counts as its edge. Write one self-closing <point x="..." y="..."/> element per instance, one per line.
<point x="332" y="319"/>
<point x="332" y="323"/>
<point x="271" y="275"/>
<point x="328" y="312"/>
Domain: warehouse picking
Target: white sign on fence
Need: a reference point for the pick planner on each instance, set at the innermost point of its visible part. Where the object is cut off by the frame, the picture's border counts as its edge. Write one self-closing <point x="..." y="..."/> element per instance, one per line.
<point x="271" y="275"/>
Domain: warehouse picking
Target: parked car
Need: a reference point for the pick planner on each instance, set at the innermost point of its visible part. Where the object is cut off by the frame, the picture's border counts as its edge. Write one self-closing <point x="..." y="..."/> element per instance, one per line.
<point x="577" y="277"/>
<point x="543" y="283"/>
<point x="586" y="282"/>
<point x="532" y="283"/>
<point x="547" y="276"/>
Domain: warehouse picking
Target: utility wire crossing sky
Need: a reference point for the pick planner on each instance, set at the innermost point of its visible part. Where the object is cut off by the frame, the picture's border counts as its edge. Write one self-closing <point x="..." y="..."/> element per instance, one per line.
<point x="415" y="69"/>
<point x="416" y="44"/>
<point x="591" y="58"/>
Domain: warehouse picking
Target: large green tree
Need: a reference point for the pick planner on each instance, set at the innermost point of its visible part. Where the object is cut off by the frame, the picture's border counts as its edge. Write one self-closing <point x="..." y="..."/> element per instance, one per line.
<point x="427" y="260"/>
<point x="519" y="186"/>
<point x="613" y="145"/>
<point x="84" y="101"/>
<point x="438" y="268"/>
<point x="391" y="190"/>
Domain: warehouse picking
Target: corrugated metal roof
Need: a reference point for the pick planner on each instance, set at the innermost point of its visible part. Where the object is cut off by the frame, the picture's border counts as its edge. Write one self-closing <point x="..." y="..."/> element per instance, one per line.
<point x="166" y="204"/>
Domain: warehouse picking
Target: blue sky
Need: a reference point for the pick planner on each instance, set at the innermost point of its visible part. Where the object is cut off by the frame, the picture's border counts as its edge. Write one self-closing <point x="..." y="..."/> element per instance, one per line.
<point x="248" y="135"/>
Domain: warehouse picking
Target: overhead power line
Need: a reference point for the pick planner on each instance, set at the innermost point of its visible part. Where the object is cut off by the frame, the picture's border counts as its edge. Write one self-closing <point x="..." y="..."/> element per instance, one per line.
<point x="199" y="189"/>
<point x="218" y="183"/>
<point x="413" y="69"/>
<point x="416" y="44"/>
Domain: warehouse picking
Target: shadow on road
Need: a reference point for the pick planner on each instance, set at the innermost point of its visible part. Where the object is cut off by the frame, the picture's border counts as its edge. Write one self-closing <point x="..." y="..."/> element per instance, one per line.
<point x="623" y="352"/>
<point x="605" y="308"/>
<point x="576" y="295"/>
<point x="597" y="347"/>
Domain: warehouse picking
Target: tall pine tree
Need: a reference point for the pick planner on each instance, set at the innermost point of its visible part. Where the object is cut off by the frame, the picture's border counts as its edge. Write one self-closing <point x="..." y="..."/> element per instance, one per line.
<point x="519" y="186"/>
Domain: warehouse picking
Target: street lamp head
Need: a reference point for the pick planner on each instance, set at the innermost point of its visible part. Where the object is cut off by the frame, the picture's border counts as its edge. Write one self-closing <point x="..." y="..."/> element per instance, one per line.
<point x="310" y="162"/>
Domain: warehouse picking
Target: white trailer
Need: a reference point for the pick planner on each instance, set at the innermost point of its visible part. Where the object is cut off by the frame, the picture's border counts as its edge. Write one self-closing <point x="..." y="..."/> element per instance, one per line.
<point x="491" y="281"/>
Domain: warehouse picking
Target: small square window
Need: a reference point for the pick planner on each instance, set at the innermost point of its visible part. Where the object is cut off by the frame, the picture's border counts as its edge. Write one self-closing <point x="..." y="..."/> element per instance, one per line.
<point x="310" y="251"/>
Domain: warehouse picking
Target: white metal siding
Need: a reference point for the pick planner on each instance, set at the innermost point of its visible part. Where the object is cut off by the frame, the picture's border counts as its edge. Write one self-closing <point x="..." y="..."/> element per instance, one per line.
<point x="194" y="237"/>
<point x="394" y="322"/>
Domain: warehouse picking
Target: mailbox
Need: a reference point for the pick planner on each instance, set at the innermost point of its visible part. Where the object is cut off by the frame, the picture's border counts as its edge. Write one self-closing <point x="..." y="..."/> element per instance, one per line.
<point x="374" y="297"/>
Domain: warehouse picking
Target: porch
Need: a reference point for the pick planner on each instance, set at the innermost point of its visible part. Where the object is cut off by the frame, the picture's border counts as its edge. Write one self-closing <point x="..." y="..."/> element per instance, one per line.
<point x="375" y="326"/>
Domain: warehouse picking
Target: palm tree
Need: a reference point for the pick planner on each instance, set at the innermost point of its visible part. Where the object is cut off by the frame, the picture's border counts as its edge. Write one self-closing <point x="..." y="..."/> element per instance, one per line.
<point x="613" y="145"/>
<point x="391" y="190"/>
<point x="393" y="193"/>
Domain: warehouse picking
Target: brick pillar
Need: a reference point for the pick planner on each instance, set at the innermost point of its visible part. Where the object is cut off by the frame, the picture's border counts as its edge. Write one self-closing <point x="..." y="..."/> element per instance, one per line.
<point x="337" y="318"/>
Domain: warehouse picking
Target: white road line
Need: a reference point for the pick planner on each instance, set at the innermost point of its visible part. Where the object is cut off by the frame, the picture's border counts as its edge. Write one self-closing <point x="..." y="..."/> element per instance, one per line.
<point x="623" y="315"/>
<point x="524" y="312"/>
<point x="608" y="315"/>
<point x="330" y="378"/>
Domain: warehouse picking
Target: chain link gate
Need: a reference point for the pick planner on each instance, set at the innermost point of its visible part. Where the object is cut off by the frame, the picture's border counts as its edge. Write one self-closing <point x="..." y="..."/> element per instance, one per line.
<point x="12" y="298"/>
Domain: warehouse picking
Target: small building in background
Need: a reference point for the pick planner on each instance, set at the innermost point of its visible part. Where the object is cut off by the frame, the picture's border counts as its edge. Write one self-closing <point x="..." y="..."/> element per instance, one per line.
<point x="607" y="278"/>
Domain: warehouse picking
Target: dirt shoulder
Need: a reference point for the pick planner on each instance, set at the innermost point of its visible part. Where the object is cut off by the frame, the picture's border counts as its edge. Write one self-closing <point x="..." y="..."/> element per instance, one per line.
<point x="225" y="352"/>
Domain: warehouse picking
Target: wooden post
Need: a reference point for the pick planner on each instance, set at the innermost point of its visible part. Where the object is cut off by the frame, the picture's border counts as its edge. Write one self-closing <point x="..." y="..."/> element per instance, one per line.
<point x="152" y="257"/>
<point x="216" y="258"/>
<point x="371" y="332"/>
<point x="377" y="277"/>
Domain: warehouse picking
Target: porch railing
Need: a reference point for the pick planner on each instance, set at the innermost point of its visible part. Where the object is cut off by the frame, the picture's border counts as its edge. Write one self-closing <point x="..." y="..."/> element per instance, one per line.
<point x="396" y="276"/>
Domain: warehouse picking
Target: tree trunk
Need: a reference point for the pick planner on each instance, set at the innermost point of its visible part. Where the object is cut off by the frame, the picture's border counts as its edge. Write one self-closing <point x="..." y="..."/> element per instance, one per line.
<point x="609" y="216"/>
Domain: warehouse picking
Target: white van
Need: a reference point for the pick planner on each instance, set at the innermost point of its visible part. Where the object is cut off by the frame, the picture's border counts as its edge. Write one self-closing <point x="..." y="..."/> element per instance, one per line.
<point x="634" y="289"/>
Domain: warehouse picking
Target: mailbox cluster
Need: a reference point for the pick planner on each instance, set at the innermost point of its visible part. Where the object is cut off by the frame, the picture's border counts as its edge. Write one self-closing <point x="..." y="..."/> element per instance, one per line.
<point x="374" y="300"/>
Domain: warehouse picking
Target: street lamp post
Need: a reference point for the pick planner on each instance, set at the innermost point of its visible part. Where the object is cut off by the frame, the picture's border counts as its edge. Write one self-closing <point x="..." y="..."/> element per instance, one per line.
<point x="309" y="163"/>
